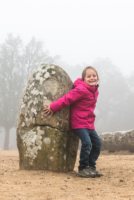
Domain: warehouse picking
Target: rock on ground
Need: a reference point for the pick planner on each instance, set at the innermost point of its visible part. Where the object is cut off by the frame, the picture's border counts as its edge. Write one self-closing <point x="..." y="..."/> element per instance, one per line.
<point x="46" y="142"/>
<point x="117" y="141"/>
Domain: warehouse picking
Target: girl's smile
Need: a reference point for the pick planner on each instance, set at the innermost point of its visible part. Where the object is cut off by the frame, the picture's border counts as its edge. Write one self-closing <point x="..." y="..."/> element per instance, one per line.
<point x="91" y="77"/>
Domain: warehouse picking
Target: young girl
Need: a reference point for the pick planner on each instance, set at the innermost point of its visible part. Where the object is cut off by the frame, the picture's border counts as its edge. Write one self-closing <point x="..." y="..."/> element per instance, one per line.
<point x="83" y="101"/>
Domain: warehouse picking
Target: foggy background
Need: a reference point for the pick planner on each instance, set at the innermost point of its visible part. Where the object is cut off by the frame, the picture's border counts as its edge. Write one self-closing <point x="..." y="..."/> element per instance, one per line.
<point x="72" y="34"/>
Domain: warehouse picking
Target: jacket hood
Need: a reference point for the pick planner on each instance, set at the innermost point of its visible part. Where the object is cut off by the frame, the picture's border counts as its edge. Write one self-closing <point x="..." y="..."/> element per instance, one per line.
<point x="79" y="82"/>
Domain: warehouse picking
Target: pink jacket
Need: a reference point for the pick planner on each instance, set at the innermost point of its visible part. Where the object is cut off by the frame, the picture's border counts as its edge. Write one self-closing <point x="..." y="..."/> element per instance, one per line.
<point x="83" y="100"/>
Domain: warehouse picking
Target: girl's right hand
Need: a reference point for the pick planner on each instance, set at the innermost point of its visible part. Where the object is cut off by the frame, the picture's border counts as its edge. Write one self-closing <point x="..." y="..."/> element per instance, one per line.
<point x="47" y="110"/>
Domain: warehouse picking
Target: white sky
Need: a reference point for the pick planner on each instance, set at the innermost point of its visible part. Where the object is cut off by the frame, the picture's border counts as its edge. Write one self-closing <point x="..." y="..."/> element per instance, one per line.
<point x="78" y="30"/>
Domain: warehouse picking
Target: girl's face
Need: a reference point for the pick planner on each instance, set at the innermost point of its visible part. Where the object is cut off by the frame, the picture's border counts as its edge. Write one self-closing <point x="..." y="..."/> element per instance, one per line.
<point x="91" y="77"/>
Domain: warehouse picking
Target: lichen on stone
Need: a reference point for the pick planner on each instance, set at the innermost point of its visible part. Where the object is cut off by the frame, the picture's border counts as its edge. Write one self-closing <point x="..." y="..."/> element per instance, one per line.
<point x="33" y="141"/>
<point x="118" y="141"/>
<point x="45" y="142"/>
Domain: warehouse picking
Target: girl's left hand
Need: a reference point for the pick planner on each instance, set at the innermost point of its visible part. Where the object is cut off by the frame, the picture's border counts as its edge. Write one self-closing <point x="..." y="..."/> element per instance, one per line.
<point x="47" y="110"/>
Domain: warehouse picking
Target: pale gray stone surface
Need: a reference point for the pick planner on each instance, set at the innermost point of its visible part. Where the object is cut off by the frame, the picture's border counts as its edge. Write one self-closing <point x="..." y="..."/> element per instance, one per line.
<point x="46" y="142"/>
<point x="118" y="141"/>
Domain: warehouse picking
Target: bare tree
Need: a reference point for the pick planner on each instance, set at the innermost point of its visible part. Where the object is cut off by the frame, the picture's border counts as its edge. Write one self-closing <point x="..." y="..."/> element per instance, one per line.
<point x="16" y="62"/>
<point x="10" y="83"/>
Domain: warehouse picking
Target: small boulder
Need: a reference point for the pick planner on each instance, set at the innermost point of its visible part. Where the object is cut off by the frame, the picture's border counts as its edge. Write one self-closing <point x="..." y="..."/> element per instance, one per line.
<point x="118" y="141"/>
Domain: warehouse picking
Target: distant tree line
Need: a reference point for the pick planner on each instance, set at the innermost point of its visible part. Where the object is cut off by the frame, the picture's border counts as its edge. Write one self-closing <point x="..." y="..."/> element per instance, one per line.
<point x="16" y="63"/>
<point x="115" y="110"/>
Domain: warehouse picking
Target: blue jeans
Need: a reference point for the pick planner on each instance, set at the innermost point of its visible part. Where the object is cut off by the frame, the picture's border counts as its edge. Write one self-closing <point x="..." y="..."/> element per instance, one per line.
<point x="90" y="149"/>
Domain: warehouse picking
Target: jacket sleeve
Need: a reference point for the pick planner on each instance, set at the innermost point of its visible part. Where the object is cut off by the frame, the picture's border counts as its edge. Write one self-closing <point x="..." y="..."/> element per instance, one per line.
<point x="74" y="95"/>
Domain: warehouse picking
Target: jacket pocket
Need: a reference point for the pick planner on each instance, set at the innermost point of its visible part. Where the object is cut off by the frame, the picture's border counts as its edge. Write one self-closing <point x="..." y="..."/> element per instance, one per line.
<point x="82" y="114"/>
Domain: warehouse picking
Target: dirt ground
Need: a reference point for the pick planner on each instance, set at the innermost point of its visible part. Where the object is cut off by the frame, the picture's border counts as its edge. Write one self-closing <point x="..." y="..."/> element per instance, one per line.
<point x="117" y="182"/>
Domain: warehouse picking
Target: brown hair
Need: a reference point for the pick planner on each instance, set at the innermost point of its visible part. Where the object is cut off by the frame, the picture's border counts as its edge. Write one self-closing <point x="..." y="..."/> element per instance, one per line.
<point x="84" y="72"/>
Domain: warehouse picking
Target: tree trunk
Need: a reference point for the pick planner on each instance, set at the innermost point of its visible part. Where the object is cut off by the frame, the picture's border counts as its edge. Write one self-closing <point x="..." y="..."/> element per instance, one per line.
<point x="6" y="142"/>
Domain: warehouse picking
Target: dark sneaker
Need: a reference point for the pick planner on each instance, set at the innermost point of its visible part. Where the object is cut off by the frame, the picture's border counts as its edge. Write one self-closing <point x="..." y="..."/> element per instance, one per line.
<point x="86" y="173"/>
<point x="98" y="174"/>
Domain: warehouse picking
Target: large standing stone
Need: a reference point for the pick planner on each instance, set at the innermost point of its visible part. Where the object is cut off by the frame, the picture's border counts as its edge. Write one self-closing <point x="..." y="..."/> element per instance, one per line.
<point x="46" y="142"/>
<point x="117" y="141"/>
